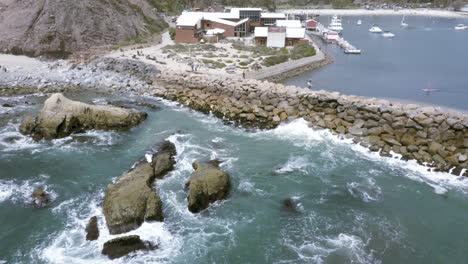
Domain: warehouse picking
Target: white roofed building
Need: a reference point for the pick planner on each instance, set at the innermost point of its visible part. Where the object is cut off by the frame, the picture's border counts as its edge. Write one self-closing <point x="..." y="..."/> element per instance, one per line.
<point x="289" y="23"/>
<point x="238" y="22"/>
<point x="279" y="37"/>
<point x="269" y="19"/>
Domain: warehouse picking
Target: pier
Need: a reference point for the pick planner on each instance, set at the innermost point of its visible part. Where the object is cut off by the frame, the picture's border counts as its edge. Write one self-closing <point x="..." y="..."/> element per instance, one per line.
<point x="330" y="36"/>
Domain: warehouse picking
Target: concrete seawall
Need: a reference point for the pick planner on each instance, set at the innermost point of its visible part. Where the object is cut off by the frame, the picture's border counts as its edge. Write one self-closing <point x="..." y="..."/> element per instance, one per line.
<point x="433" y="137"/>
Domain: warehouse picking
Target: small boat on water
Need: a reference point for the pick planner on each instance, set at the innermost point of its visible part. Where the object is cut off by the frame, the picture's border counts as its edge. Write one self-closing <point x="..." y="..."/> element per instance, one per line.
<point x="375" y="29"/>
<point x="461" y="27"/>
<point x="403" y="23"/>
<point x="388" y="34"/>
<point x="352" y="51"/>
<point x="335" y="24"/>
<point x="359" y="22"/>
<point x="429" y="89"/>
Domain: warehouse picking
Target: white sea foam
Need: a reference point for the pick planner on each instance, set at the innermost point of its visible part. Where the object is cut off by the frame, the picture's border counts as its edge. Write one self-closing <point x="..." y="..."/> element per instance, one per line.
<point x="300" y="134"/>
<point x="11" y="140"/>
<point x="70" y="245"/>
<point x="367" y="190"/>
<point x="248" y="187"/>
<point x="19" y="192"/>
<point x="294" y="163"/>
<point x="351" y="247"/>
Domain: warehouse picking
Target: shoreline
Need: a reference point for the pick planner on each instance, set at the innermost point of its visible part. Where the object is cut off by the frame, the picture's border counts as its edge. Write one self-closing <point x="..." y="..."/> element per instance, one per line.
<point x="380" y="12"/>
<point x="433" y="136"/>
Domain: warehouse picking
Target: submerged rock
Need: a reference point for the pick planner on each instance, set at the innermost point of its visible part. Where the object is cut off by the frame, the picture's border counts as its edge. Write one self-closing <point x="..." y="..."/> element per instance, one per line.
<point x="121" y="246"/>
<point x="27" y="126"/>
<point x="61" y="117"/>
<point x="207" y="184"/>
<point x="130" y="201"/>
<point x="92" y="229"/>
<point x="40" y="197"/>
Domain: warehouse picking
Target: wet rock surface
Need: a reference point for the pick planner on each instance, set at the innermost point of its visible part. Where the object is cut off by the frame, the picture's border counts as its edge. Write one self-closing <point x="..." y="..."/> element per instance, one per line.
<point x="122" y="246"/>
<point x="60" y="117"/>
<point x="40" y="197"/>
<point x="430" y="135"/>
<point x="207" y="185"/>
<point x="92" y="229"/>
<point x="131" y="200"/>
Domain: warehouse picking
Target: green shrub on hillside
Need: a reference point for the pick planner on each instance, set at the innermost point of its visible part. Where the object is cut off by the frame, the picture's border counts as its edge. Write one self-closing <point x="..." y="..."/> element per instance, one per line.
<point x="273" y="60"/>
<point x="302" y="51"/>
<point x="172" y="33"/>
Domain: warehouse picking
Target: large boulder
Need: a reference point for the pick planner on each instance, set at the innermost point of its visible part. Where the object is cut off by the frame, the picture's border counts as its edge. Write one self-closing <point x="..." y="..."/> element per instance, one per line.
<point x="61" y="117"/>
<point x="121" y="246"/>
<point x="207" y="184"/>
<point x="131" y="200"/>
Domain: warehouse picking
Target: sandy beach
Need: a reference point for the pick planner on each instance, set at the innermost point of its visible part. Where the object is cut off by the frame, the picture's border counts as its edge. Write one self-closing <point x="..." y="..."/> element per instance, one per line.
<point x="380" y="12"/>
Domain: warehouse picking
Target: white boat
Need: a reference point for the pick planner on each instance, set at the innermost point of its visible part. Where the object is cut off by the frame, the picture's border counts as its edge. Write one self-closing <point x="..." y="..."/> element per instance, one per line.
<point x="335" y="24"/>
<point x="359" y="22"/>
<point x="352" y="51"/>
<point x="388" y="34"/>
<point x="403" y="23"/>
<point x="375" y="29"/>
<point x="461" y="27"/>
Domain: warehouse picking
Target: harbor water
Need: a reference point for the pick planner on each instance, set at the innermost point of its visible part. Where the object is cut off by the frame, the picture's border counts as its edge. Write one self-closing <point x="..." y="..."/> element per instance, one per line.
<point x="428" y="54"/>
<point x="351" y="205"/>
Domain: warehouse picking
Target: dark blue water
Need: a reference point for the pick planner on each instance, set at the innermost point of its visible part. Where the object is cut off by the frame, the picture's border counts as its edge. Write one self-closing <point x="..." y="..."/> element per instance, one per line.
<point x="429" y="53"/>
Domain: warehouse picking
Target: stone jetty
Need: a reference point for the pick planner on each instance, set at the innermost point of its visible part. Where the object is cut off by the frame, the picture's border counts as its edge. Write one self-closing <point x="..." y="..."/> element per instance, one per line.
<point x="432" y="136"/>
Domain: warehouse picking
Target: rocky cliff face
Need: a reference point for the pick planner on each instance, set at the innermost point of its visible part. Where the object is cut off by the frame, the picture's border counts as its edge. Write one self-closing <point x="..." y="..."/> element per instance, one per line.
<point x="61" y="27"/>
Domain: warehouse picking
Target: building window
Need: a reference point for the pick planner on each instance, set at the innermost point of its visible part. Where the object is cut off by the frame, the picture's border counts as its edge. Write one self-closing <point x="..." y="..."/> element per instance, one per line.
<point x="240" y="30"/>
<point x="254" y="16"/>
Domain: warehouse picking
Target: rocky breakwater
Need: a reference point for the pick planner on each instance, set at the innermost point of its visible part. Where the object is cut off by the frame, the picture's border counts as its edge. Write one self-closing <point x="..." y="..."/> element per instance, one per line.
<point x="131" y="200"/>
<point x="61" y="117"/>
<point x="430" y="135"/>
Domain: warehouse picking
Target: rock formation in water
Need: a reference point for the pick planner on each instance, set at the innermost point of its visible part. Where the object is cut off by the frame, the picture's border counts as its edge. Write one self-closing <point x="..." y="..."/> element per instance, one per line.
<point x="58" y="28"/>
<point x="121" y="246"/>
<point x="40" y="197"/>
<point x="430" y="135"/>
<point x="92" y="229"/>
<point x="131" y="200"/>
<point x="207" y="184"/>
<point x="60" y="117"/>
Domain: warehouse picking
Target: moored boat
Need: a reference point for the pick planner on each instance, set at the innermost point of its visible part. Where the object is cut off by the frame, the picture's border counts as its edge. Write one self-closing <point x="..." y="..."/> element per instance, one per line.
<point x="461" y="27"/>
<point x="359" y="22"/>
<point x="335" y="24"/>
<point x="403" y="23"/>
<point x="388" y="34"/>
<point x="375" y="29"/>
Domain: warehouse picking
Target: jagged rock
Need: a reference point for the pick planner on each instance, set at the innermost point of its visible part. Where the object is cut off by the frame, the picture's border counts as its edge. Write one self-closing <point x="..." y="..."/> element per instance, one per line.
<point x="122" y="246"/>
<point x="207" y="184"/>
<point x="92" y="229"/>
<point x="434" y="147"/>
<point x="58" y="28"/>
<point x="27" y="126"/>
<point x="164" y="161"/>
<point x="40" y="197"/>
<point x="290" y="205"/>
<point x="61" y="117"/>
<point x="356" y="131"/>
<point x="130" y="200"/>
